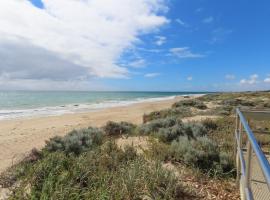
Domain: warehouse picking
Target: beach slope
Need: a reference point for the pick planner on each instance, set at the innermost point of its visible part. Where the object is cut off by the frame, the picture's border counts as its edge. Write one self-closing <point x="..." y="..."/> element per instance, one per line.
<point x="18" y="137"/>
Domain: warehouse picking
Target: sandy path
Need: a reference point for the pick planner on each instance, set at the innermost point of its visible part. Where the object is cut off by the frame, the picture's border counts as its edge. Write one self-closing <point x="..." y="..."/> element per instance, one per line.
<point x="17" y="137"/>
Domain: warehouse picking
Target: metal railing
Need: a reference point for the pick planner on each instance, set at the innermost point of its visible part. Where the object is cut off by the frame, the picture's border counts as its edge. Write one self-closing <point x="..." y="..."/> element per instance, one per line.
<point x="244" y="156"/>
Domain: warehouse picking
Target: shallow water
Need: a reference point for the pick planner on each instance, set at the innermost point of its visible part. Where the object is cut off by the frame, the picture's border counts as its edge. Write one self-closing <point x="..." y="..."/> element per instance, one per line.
<point x="16" y="104"/>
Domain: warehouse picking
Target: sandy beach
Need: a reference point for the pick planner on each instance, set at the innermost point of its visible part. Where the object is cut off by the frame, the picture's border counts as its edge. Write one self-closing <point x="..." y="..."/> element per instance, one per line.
<point x="19" y="136"/>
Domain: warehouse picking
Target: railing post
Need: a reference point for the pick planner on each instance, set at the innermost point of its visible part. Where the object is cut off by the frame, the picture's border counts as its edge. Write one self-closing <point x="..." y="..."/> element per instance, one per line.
<point x="236" y="148"/>
<point x="236" y="133"/>
<point x="238" y="164"/>
<point x="248" y="165"/>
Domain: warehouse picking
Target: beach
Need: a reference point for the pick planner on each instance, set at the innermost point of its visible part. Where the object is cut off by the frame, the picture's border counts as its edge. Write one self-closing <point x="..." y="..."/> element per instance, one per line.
<point x="19" y="136"/>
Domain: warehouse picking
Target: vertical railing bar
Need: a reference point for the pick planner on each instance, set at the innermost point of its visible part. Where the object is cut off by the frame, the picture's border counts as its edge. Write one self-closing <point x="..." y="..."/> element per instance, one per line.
<point x="248" y="194"/>
<point x="236" y="149"/>
<point x="240" y="163"/>
<point x="248" y="164"/>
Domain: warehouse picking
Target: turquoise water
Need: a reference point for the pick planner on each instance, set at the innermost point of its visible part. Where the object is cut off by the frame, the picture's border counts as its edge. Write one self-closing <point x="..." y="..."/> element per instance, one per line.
<point x="29" y="103"/>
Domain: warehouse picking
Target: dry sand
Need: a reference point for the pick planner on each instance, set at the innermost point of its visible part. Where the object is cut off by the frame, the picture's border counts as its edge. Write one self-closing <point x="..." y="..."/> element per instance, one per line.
<point x="18" y="137"/>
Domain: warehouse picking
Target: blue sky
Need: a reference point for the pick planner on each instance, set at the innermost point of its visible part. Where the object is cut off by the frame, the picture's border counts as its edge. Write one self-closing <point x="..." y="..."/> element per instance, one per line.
<point x="181" y="45"/>
<point x="232" y="36"/>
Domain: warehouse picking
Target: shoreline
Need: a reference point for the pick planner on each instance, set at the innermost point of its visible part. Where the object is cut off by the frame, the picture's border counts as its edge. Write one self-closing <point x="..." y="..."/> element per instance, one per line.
<point x="19" y="136"/>
<point x="74" y="108"/>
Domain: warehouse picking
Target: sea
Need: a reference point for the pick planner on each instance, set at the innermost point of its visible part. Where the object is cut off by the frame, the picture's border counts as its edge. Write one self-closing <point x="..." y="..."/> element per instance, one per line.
<point x="27" y="104"/>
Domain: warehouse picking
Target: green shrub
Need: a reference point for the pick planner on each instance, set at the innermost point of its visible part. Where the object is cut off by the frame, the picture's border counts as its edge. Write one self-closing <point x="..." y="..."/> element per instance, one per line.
<point x="115" y="129"/>
<point x="209" y="124"/>
<point x="225" y="110"/>
<point x="194" y="129"/>
<point x="237" y="102"/>
<point x="191" y="130"/>
<point x="171" y="128"/>
<point x="171" y="133"/>
<point x="77" y="141"/>
<point x="106" y="172"/>
<point x="201" y="153"/>
<point x="158" y="151"/>
<point x="226" y="162"/>
<point x="266" y="105"/>
<point x="190" y="103"/>
<point x="171" y="112"/>
<point x="155" y="125"/>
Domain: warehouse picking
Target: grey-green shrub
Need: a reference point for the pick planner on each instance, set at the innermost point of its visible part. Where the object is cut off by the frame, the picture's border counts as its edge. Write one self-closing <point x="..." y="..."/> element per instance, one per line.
<point x="169" y="129"/>
<point x="107" y="172"/>
<point x="226" y="162"/>
<point x="155" y="125"/>
<point x="115" y="129"/>
<point x="237" y="102"/>
<point x="209" y="124"/>
<point x="171" y="133"/>
<point x="170" y="112"/>
<point x="202" y="153"/>
<point x="194" y="129"/>
<point x="190" y="103"/>
<point x="190" y="130"/>
<point x="77" y="141"/>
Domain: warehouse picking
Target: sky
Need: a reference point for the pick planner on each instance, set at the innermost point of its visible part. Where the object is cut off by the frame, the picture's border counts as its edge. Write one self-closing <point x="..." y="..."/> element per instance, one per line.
<point x="142" y="45"/>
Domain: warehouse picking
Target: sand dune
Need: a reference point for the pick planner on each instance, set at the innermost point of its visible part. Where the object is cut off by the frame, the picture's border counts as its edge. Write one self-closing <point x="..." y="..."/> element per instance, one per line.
<point x="18" y="137"/>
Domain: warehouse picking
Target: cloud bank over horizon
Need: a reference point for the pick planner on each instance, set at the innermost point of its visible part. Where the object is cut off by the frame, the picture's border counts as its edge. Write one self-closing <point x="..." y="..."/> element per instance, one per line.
<point x="72" y="41"/>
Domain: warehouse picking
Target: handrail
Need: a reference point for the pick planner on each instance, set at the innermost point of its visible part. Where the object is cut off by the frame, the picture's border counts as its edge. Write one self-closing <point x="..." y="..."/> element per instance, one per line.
<point x="244" y="170"/>
<point x="263" y="162"/>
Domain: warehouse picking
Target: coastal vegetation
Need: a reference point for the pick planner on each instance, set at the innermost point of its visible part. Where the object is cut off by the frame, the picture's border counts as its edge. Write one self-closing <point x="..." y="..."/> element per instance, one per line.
<point x="188" y="154"/>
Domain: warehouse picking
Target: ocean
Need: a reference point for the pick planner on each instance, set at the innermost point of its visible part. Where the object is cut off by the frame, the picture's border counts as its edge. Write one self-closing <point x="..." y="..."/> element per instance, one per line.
<point x="19" y="104"/>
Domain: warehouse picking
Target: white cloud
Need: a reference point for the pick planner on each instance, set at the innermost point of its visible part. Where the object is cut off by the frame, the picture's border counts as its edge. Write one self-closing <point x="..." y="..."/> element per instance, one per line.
<point x="189" y="78"/>
<point x="219" y="35"/>
<point x="230" y="76"/>
<point x="184" y="52"/>
<point x="151" y="75"/>
<point x="199" y="10"/>
<point x="160" y="40"/>
<point x="253" y="79"/>
<point x="181" y="22"/>
<point x="84" y="37"/>
<point x="208" y="20"/>
<point x="140" y="63"/>
<point x="267" y="79"/>
<point x="48" y="84"/>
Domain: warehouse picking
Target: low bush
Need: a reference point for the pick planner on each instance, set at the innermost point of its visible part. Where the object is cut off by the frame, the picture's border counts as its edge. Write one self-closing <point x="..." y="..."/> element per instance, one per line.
<point x="266" y="105"/>
<point x="190" y="103"/>
<point x="104" y="173"/>
<point x="190" y="130"/>
<point x="226" y="163"/>
<point x="171" y="112"/>
<point x="209" y="124"/>
<point x="194" y="129"/>
<point x="225" y="110"/>
<point x="158" y="151"/>
<point x="222" y="110"/>
<point x="237" y="102"/>
<point x="77" y="141"/>
<point x="116" y="129"/>
<point x="224" y="133"/>
<point x="171" y="128"/>
<point x="155" y="125"/>
<point x="201" y="153"/>
<point x="171" y="133"/>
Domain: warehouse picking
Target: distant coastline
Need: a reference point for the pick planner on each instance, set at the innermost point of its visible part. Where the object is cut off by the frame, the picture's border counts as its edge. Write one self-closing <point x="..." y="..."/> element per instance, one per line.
<point x="17" y="105"/>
